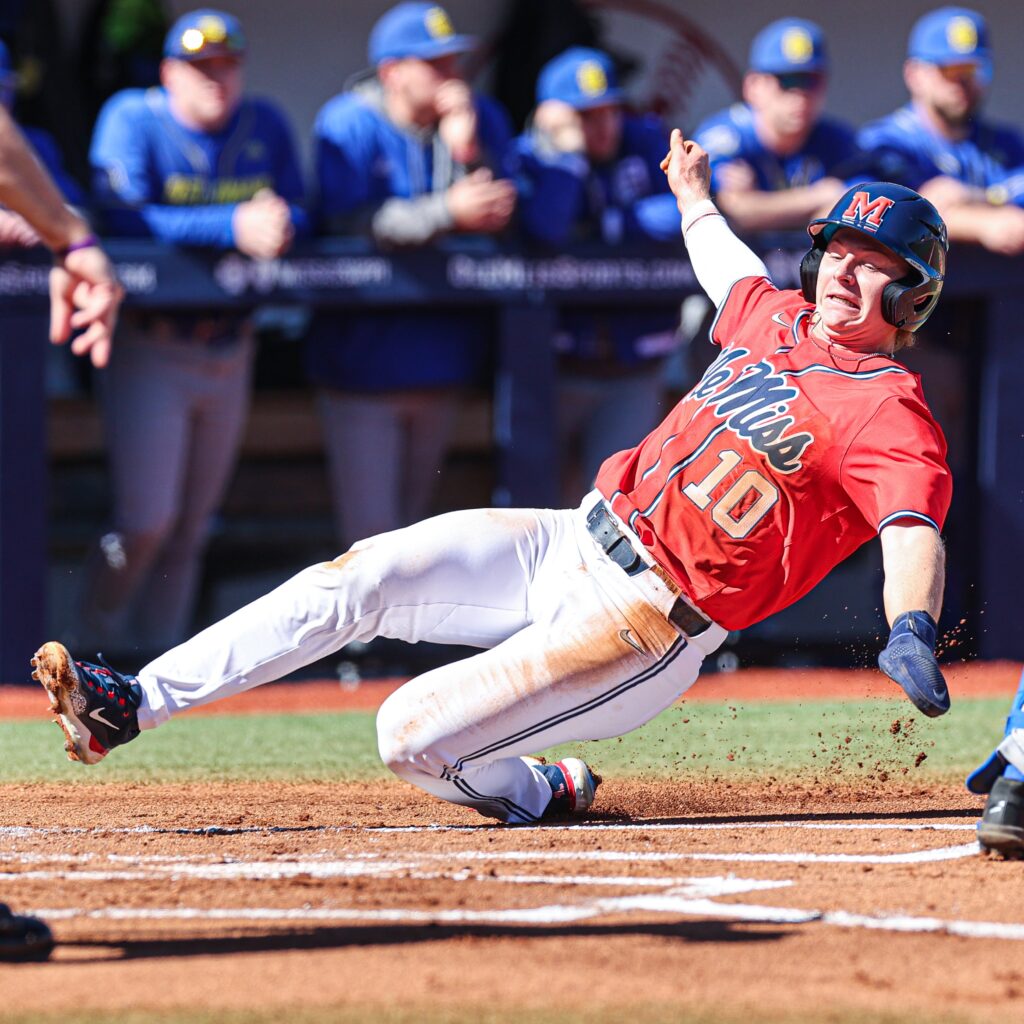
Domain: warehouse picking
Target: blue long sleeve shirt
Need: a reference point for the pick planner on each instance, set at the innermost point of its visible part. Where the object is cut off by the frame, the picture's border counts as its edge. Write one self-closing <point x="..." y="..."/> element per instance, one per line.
<point x="563" y="198"/>
<point x="153" y="176"/>
<point x="388" y="181"/>
<point x="830" y="150"/>
<point x="912" y="153"/>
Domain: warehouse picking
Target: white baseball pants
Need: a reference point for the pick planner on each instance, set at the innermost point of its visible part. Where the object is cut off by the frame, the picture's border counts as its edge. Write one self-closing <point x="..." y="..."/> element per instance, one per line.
<point x="575" y="648"/>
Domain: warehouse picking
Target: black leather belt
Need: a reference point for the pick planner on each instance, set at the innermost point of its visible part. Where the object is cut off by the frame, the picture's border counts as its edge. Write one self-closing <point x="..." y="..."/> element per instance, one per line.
<point x="618" y="547"/>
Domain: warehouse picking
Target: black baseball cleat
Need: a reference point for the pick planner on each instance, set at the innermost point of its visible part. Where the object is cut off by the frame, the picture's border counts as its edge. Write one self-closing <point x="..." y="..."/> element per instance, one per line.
<point x="23" y="937"/>
<point x="1001" y="828"/>
<point x="94" y="705"/>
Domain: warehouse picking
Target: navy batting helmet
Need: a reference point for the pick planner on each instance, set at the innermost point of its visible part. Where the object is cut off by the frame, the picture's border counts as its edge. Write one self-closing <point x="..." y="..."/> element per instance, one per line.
<point x="907" y="225"/>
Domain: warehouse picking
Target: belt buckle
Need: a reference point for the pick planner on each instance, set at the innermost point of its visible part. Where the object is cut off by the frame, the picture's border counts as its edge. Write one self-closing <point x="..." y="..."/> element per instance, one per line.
<point x="687" y="619"/>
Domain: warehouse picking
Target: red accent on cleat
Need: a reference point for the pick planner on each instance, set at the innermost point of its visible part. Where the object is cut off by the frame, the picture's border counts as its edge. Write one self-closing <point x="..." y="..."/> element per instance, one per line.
<point x="569" y="785"/>
<point x="96" y="747"/>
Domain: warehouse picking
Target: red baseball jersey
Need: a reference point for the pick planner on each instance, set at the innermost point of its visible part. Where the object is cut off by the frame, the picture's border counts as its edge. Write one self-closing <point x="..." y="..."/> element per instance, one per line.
<point x="787" y="456"/>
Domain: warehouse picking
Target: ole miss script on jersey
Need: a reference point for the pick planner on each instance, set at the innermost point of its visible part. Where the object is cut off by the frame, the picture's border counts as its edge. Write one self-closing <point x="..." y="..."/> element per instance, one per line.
<point x="785" y="458"/>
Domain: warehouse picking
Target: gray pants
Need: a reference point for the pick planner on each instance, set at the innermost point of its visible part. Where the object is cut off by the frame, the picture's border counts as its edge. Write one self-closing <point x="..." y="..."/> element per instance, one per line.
<point x="384" y="457"/>
<point x="174" y="412"/>
<point x="598" y="417"/>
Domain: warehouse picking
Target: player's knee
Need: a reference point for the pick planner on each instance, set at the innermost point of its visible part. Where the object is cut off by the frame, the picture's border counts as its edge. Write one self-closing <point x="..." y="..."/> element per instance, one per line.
<point x="399" y="740"/>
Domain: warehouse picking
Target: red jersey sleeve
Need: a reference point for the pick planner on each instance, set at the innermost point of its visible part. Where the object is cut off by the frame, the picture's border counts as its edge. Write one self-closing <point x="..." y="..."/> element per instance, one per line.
<point x="896" y="466"/>
<point x="744" y="297"/>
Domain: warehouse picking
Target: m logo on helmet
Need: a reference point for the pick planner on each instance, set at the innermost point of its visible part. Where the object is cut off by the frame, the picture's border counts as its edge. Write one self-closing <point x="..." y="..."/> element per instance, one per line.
<point x="867" y="213"/>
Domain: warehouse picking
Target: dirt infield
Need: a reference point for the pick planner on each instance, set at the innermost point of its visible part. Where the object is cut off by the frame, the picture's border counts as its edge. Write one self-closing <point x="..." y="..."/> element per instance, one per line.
<point x="965" y="679"/>
<point x="748" y="898"/>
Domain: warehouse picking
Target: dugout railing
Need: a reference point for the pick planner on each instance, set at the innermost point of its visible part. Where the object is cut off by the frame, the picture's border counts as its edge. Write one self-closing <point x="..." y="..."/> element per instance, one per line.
<point x="525" y="289"/>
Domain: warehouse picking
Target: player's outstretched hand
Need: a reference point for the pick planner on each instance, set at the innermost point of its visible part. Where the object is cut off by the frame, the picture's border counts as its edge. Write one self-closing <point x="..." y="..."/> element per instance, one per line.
<point x="84" y="296"/>
<point x="688" y="171"/>
<point x="909" y="660"/>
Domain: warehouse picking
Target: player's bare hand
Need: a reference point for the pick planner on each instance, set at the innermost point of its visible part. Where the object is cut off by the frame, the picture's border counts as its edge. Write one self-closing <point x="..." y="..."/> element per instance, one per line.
<point x="16" y="231"/>
<point x="688" y="171"/>
<point x="457" y="124"/>
<point x="736" y="176"/>
<point x="944" y="193"/>
<point x="85" y="296"/>
<point x="480" y="202"/>
<point x="1001" y="229"/>
<point x="562" y="124"/>
<point x="825" y="193"/>
<point x="262" y="226"/>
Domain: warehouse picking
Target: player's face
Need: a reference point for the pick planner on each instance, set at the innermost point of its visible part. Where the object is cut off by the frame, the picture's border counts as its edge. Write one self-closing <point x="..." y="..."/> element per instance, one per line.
<point x="789" y="105"/>
<point x="416" y="82"/>
<point x="852" y="277"/>
<point x="207" y="92"/>
<point x="954" y="92"/>
<point x="602" y="131"/>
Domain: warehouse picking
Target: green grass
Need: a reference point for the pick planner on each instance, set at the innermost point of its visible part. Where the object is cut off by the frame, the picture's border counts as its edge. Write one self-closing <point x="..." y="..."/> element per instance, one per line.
<point x="843" y="738"/>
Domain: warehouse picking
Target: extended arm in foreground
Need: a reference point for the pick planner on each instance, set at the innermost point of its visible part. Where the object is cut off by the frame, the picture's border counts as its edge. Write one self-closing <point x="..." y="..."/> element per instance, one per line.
<point x="84" y="291"/>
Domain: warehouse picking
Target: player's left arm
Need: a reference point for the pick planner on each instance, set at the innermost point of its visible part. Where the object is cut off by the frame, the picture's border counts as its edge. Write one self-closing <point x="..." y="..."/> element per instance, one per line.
<point x="914" y="562"/>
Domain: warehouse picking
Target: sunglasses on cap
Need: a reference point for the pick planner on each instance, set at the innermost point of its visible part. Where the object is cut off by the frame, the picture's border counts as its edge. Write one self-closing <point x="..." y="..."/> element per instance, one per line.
<point x="967" y="72"/>
<point x="808" y="81"/>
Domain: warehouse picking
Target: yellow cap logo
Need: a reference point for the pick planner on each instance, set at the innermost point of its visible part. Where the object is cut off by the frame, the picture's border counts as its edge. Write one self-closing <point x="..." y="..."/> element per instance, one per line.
<point x="591" y="79"/>
<point x="797" y="45"/>
<point x="438" y="24"/>
<point x="962" y="35"/>
<point x="213" y="29"/>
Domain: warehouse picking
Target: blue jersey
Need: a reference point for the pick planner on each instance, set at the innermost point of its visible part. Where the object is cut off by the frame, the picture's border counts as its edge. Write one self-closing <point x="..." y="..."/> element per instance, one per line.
<point x="153" y="176"/>
<point x="830" y="151"/>
<point x="564" y="198"/>
<point x="911" y="153"/>
<point x="50" y="157"/>
<point x="363" y="159"/>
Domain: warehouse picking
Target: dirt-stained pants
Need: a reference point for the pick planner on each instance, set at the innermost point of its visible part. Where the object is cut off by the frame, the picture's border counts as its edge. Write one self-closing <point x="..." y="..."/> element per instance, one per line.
<point x="576" y="649"/>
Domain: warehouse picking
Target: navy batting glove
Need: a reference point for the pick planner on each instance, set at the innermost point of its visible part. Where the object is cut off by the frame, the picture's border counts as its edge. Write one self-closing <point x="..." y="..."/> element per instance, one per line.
<point x="909" y="659"/>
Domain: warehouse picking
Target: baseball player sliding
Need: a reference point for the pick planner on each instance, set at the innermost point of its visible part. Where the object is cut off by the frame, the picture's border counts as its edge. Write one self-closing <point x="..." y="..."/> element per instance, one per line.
<point x="803" y="440"/>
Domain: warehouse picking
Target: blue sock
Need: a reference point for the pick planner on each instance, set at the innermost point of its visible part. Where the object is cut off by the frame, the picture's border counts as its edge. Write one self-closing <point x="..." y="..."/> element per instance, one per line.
<point x="1011" y="771"/>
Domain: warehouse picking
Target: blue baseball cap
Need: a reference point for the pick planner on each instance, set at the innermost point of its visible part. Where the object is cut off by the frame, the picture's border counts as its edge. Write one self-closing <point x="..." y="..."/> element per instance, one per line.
<point x="790" y="45"/>
<point x="951" y="35"/>
<point x="416" y="30"/>
<point x="205" y="33"/>
<point x="581" y="77"/>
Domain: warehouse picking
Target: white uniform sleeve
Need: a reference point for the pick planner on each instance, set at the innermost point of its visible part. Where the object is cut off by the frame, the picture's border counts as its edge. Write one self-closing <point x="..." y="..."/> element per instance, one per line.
<point x="718" y="257"/>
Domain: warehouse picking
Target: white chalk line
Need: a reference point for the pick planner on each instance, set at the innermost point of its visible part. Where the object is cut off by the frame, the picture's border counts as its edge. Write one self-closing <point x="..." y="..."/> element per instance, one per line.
<point x="693" y="897"/>
<point x="369" y="865"/>
<point x="28" y="831"/>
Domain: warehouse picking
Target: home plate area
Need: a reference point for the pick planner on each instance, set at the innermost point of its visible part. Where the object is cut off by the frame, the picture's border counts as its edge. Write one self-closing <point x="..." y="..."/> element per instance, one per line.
<point x="922" y="874"/>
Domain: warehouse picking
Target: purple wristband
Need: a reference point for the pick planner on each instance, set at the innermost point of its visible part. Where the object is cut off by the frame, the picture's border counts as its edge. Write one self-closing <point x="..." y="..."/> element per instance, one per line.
<point x="83" y="243"/>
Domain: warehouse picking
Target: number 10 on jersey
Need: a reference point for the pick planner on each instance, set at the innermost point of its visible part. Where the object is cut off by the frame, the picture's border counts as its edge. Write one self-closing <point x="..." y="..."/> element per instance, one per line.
<point x="723" y="511"/>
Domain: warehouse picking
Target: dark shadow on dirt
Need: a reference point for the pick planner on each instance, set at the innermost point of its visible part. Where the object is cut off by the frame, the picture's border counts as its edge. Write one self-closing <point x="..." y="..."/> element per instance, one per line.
<point x="389" y="935"/>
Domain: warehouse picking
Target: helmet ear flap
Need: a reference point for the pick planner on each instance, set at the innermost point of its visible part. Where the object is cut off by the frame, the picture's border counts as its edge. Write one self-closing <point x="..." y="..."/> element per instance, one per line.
<point x="897" y="303"/>
<point x="809" y="273"/>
